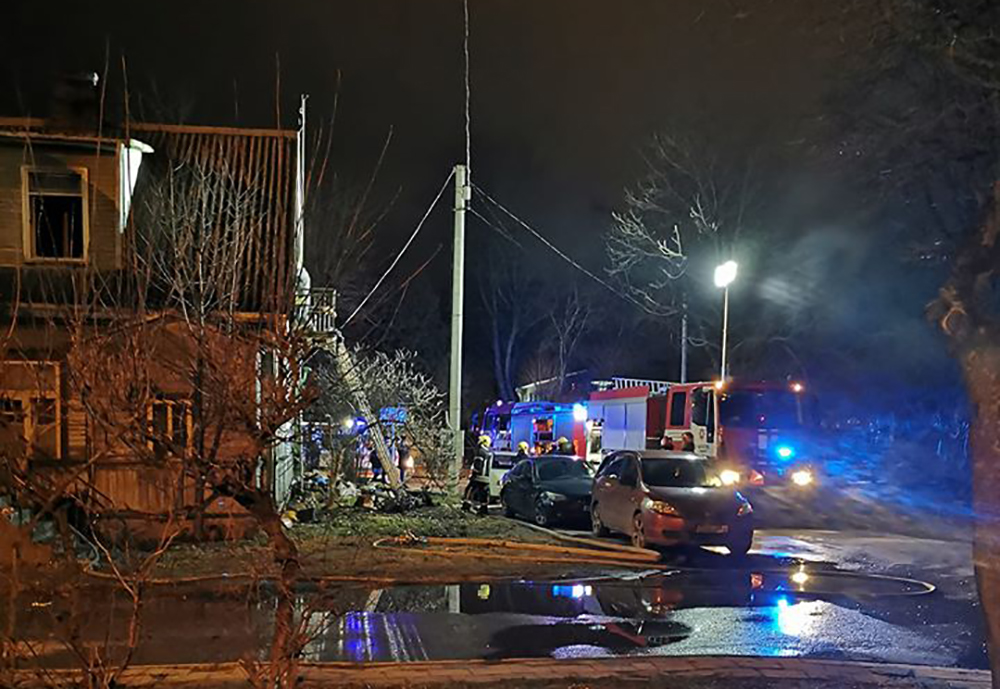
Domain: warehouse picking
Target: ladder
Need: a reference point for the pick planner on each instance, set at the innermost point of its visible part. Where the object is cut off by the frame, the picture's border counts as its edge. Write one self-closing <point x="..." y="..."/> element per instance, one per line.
<point x="345" y="362"/>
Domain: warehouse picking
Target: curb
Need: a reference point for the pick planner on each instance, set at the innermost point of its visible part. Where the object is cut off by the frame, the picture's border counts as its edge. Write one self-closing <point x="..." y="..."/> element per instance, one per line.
<point x="794" y="670"/>
<point x="733" y="669"/>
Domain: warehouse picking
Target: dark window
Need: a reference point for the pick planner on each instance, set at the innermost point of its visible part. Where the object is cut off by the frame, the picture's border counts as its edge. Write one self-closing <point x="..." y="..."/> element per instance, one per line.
<point x="522" y="469"/>
<point x="503" y="460"/>
<point x="765" y="409"/>
<point x="703" y="412"/>
<point x="630" y="473"/>
<point x="552" y="469"/>
<point x="56" y="207"/>
<point x="45" y="429"/>
<point x="678" y="408"/>
<point x="612" y="464"/>
<point x="680" y="473"/>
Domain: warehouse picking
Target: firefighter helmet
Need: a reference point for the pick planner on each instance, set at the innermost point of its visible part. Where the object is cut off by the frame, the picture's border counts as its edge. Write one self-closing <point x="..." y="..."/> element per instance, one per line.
<point x="523" y="447"/>
<point x="485" y="441"/>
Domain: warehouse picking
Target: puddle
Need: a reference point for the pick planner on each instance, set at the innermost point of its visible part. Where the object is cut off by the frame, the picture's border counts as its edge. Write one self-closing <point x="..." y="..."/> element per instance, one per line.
<point x="786" y="611"/>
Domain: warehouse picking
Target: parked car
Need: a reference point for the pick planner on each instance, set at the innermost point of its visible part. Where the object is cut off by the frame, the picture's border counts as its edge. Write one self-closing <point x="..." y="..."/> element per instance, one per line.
<point x="548" y="489"/>
<point x="669" y="498"/>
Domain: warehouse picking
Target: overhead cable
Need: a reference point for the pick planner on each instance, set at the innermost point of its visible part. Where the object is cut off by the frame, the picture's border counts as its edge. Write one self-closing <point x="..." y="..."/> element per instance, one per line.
<point x="402" y="251"/>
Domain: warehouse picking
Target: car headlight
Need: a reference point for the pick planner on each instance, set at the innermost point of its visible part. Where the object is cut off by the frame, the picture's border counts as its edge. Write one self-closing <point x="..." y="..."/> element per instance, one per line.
<point x="729" y="477"/>
<point x="802" y="477"/>
<point x="744" y="510"/>
<point x="660" y="507"/>
<point x="552" y="497"/>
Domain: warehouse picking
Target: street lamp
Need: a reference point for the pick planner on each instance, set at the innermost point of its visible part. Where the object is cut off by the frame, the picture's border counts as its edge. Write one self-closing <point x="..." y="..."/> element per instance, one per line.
<point x="724" y="276"/>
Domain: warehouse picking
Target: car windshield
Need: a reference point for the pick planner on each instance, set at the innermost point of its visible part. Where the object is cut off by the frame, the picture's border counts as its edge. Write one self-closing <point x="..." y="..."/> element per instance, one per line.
<point x="765" y="409"/>
<point x="550" y="469"/>
<point x="680" y="473"/>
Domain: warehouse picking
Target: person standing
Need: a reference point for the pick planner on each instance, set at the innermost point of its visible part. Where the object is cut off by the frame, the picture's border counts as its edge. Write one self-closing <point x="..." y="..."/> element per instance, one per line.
<point x="402" y="457"/>
<point x="687" y="442"/>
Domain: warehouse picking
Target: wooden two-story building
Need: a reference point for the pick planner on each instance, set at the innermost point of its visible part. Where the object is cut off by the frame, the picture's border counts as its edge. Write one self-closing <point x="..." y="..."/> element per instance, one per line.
<point x="69" y="196"/>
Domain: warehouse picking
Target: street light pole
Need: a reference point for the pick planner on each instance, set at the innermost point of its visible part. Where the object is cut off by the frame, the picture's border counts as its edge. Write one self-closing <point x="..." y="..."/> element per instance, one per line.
<point x="725" y="329"/>
<point x="724" y="276"/>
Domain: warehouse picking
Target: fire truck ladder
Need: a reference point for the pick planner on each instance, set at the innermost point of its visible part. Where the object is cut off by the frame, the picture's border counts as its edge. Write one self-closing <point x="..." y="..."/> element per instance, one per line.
<point x="656" y="387"/>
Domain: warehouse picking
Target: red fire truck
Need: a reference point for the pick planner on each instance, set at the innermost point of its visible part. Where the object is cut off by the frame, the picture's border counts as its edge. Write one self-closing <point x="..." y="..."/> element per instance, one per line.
<point x="759" y="432"/>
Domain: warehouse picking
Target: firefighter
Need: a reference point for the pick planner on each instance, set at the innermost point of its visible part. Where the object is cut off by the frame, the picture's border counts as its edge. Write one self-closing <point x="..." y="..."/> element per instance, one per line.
<point x="477" y="493"/>
<point x="522" y="451"/>
<point x="564" y="446"/>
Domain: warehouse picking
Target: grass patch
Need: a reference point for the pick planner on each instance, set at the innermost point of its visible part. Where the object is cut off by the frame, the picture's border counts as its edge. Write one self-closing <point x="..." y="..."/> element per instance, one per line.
<point x="439" y="521"/>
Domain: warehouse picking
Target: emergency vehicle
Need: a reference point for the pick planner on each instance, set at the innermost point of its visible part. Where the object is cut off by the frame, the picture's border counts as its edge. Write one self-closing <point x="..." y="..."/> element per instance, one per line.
<point x="758" y="432"/>
<point x="540" y="424"/>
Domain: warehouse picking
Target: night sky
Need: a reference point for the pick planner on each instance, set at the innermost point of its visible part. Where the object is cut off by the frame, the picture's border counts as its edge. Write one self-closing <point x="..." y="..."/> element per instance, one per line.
<point x="565" y="92"/>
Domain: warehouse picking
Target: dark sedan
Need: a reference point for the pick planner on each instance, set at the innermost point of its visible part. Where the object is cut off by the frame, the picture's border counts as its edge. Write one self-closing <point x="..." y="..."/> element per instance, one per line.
<point x="548" y="489"/>
<point x="669" y="498"/>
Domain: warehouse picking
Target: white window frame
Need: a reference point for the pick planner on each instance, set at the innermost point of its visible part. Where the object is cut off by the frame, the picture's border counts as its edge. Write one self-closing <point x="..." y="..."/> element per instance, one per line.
<point x="27" y="215"/>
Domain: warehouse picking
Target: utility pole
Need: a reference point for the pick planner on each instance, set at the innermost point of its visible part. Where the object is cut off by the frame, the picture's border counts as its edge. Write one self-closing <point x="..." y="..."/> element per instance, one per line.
<point x="463" y="193"/>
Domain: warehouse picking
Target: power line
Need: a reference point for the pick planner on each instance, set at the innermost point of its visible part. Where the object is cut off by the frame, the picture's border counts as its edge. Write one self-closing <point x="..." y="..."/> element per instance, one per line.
<point x="468" y="91"/>
<point x="560" y="253"/>
<point x="401" y="251"/>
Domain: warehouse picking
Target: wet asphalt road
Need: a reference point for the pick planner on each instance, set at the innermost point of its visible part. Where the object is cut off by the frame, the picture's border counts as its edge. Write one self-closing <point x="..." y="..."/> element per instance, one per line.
<point x="802" y="593"/>
<point x="854" y="595"/>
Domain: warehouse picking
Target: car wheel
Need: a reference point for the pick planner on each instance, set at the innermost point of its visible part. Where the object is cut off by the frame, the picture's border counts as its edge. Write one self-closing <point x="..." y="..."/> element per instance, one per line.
<point x="541" y="513"/>
<point x="638" y="531"/>
<point x="596" y="525"/>
<point x="740" y="543"/>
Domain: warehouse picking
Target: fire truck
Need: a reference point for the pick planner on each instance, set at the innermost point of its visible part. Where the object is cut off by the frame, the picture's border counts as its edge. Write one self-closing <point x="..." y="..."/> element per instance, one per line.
<point x="540" y="424"/>
<point x="760" y="433"/>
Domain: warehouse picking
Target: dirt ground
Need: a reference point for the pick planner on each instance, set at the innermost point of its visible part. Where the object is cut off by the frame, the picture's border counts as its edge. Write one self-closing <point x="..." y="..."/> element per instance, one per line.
<point x="343" y="547"/>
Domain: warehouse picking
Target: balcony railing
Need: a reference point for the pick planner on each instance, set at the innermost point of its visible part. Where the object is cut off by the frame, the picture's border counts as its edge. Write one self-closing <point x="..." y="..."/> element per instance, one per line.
<point x="317" y="309"/>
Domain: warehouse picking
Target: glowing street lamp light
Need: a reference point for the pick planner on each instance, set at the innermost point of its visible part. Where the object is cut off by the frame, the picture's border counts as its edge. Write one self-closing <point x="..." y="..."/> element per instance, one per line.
<point x="724" y="276"/>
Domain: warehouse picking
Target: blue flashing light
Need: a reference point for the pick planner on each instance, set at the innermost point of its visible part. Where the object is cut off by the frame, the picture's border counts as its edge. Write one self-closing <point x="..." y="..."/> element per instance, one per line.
<point x="571" y="591"/>
<point x="786" y="451"/>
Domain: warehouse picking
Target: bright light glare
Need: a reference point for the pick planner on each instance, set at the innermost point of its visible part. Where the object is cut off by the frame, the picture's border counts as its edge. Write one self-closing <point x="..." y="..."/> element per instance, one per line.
<point x="719" y="384"/>
<point x="785" y="452"/>
<point x="797" y="387"/>
<point x="725" y="274"/>
<point x="802" y="477"/>
<point x="800" y="577"/>
<point x="579" y="413"/>
<point x="729" y="477"/>
<point x="349" y="423"/>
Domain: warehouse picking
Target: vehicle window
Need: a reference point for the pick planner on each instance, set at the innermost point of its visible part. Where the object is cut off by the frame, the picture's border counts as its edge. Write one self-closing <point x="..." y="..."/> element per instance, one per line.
<point x="680" y="473"/>
<point x="503" y="460"/>
<point x="523" y="468"/>
<point x="678" y="407"/>
<point x="610" y="465"/>
<point x="764" y="409"/>
<point x="703" y="412"/>
<point x="630" y="473"/>
<point x="561" y="468"/>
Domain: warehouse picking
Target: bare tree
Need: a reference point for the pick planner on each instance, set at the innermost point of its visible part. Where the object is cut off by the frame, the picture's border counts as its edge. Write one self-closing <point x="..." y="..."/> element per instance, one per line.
<point x="391" y="380"/>
<point x="922" y="126"/>
<point x="512" y="303"/>
<point x="691" y="199"/>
